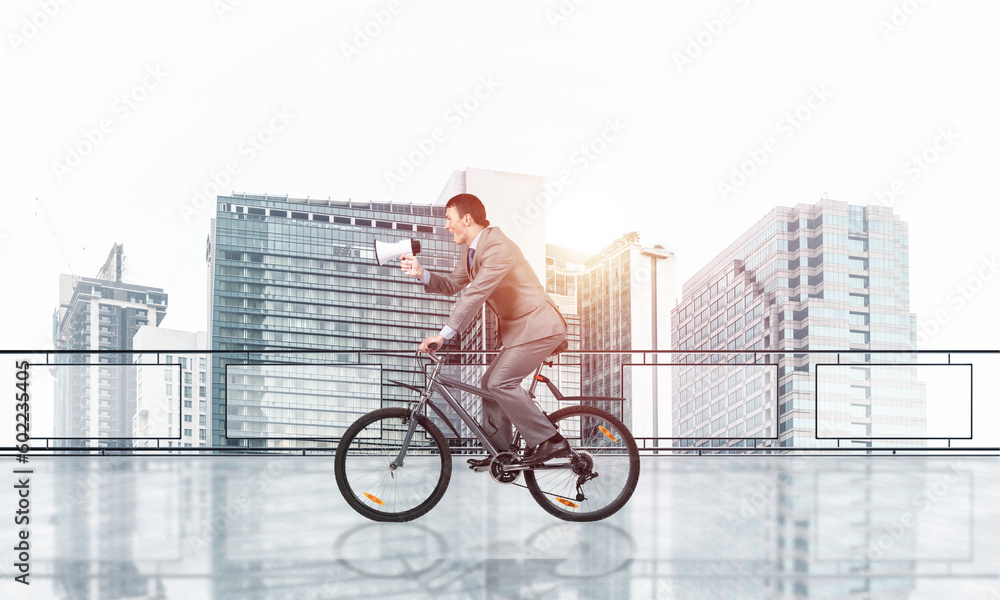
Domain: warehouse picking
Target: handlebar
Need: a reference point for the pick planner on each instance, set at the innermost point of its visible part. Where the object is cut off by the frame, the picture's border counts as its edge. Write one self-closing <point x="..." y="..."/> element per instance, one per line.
<point x="433" y="347"/>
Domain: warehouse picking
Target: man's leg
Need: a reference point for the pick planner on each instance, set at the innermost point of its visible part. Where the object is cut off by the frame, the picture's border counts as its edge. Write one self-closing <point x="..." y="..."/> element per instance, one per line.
<point x="495" y="423"/>
<point x="503" y="380"/>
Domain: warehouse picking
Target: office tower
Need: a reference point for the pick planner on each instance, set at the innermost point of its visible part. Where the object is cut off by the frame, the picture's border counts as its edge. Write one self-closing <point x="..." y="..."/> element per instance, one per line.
<point x="100" y="313"/>
<point x="292" y="274"/>
<point x="624" y="295"/>
<point x="171" y="389"/>
<point x="827" y="276"/>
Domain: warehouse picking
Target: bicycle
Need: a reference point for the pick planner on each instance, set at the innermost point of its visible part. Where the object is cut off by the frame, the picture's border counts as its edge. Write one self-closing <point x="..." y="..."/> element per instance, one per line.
<point x="394" y="464"/>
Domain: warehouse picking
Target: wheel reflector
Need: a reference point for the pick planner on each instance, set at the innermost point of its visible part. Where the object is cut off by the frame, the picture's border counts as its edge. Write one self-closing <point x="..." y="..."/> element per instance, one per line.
<point x="374" y="499"/>
<point x="607" y="433"/>
<point x="567" y="502"/>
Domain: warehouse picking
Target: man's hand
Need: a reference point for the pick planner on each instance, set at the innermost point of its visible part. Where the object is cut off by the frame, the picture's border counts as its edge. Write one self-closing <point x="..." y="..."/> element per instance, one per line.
<point x="437" y="340"/>
<point x="411" y="266"/>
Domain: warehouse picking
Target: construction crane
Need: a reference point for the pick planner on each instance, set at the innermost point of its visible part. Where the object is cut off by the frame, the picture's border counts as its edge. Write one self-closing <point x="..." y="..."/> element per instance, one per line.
<point x="52" y="228"/>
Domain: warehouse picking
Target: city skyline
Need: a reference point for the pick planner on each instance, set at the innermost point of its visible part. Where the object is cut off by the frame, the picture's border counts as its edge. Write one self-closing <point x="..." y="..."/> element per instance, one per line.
<point x="285" y="230"/>
<point x="649" y="133"/>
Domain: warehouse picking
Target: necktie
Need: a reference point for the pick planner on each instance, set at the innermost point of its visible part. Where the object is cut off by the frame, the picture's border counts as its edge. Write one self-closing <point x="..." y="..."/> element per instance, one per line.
<point x="472" y="252"/>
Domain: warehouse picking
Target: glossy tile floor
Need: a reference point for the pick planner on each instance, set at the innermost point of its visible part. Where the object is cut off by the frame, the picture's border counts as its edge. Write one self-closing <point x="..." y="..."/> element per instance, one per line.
<point x="246" y="527"/>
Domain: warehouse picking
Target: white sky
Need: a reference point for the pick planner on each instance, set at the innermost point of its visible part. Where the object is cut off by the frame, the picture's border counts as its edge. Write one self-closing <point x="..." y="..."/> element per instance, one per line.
<point x="556" y="86"/>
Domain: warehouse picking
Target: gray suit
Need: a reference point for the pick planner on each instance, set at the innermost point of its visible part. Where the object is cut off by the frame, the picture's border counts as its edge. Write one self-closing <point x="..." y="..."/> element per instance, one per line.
<point x="530" y="325"/>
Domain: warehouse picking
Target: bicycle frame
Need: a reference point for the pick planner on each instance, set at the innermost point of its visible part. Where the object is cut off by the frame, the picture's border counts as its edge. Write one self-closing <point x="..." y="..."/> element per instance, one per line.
<point x="443" y="385"/>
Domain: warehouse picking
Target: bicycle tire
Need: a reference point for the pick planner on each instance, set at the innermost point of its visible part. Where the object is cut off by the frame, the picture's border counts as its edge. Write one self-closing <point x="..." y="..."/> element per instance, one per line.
<point x="616" y="460"/>
<point x="379" y="493"/>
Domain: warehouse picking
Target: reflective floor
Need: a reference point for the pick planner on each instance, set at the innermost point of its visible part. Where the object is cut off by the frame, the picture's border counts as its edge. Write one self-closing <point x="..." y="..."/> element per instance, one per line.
<point x="698" y="527"/>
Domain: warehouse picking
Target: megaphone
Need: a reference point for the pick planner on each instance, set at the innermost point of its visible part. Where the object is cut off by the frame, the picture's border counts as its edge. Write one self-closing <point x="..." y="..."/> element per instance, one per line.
<point x="384" y="251"/>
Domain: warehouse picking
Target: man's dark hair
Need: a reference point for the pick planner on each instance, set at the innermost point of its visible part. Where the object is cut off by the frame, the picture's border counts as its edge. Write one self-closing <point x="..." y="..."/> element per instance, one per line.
<point x="468" y="204"/>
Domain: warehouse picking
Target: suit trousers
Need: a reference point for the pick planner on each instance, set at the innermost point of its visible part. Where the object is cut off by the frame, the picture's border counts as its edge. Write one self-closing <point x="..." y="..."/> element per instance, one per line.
<point x="512" y="403"/>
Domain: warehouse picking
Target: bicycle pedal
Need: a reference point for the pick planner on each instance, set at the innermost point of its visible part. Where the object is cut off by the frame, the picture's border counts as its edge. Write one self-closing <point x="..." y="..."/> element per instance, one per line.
<point x="479" y="469"/>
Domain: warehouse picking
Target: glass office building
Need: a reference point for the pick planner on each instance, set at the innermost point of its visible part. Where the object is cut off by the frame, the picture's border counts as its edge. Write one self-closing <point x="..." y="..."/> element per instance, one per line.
<point x="821" y="277"/>
<point x="290" y="274"/>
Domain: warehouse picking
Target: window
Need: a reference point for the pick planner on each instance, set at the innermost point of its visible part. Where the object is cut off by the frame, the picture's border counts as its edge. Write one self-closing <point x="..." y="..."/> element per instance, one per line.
<point x="187" y="433"/>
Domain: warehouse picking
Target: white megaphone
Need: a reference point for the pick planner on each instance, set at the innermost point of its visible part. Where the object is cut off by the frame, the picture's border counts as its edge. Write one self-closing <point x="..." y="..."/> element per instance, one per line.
<point x="384" y="251"/>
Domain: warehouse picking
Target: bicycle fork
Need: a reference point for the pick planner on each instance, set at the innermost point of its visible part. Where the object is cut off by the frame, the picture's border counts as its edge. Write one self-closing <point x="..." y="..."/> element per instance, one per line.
<point x="411" y="428"/>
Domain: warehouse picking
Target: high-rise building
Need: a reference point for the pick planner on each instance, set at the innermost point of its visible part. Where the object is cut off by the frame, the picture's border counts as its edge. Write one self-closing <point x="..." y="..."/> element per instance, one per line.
<point x="172" y="396"/>
<point x="827" y="276"/>
<point x="623" y="297"/>
<point x="291" y="274"/>
<point x="95" y="394"/>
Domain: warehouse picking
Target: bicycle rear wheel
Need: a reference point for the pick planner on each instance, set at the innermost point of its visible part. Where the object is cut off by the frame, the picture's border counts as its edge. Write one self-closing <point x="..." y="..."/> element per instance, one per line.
<point x="365" y="475"/>
<point x="606" y="443"/>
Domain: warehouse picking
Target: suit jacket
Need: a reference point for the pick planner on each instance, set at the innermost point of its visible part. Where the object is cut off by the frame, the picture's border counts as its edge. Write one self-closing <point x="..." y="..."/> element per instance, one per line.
<point x="502" y="278"/>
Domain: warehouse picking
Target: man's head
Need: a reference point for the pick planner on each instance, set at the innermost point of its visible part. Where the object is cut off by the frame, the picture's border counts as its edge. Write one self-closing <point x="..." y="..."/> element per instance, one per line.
<point x="465" y="217"/>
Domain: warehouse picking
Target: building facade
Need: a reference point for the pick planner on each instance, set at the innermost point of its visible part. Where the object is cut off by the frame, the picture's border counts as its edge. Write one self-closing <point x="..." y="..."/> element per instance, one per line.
<point x="823" y="277"/>
<point x="623" y="296"/>
<point x="292" y="275"/>
<point x="172" y="401"/>
<point x="95" y="393"/>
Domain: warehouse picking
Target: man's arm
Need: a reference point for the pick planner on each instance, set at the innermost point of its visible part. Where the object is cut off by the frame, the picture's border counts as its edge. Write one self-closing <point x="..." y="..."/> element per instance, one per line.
<point x="442" y="285"/>
<point x="434" y="283"/>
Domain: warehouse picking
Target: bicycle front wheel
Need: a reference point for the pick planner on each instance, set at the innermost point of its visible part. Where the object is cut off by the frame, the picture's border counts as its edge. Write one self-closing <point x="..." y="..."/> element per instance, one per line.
<point x="370" y="482"/>
<point x="608" y="476"/>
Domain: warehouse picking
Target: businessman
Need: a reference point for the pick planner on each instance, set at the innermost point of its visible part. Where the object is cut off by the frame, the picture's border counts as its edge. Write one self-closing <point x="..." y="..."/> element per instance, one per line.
<point x="493" y="270"/>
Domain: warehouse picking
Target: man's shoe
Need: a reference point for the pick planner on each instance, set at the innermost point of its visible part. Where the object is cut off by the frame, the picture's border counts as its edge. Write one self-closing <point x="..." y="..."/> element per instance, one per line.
<point x="478" y="463"/>
<point x="548" y="450"/>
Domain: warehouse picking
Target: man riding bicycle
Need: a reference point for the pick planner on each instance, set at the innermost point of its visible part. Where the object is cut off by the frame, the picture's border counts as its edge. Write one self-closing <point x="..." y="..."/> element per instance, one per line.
<point x="495" y="272"/>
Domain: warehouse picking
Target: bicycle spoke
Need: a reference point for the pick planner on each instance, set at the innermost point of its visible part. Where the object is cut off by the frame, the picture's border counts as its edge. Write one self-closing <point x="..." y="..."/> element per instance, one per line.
<point x="599" y="438"/>
<point x="369" y="482"/>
